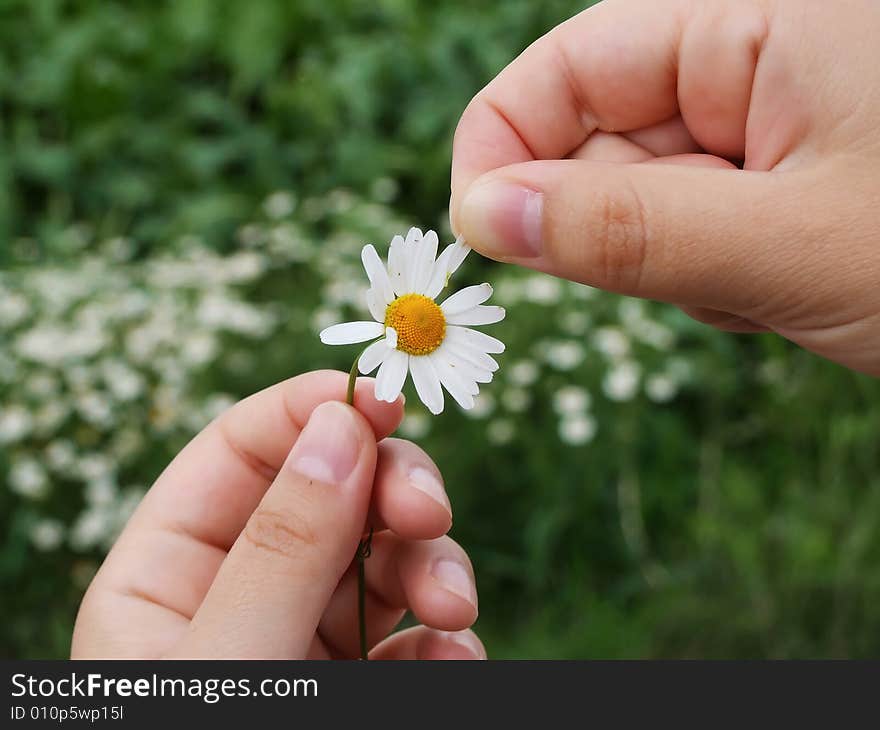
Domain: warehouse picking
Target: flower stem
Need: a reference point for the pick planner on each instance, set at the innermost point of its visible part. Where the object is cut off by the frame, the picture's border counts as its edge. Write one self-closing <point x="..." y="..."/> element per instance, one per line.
<point x="364" y="546"/>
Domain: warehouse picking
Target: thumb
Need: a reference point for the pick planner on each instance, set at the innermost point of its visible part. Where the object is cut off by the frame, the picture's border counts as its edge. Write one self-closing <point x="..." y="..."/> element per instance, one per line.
<point x="271" y="590"/>
<point x="696" y="236"/>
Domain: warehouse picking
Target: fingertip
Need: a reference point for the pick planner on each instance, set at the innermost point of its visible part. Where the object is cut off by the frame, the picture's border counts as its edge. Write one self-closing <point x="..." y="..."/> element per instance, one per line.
<point x="408" y="495"/>
<point x="450" y="645"/>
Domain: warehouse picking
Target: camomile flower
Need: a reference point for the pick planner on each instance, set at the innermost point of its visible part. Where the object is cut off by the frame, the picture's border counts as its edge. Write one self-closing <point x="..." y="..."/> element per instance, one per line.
<point x="431" y="341"/>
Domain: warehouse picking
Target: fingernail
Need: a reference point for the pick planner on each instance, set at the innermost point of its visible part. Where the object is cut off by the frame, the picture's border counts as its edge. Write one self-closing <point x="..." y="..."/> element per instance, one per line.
<point x="455" y="578"/>
<point x="468" y="641"/>
<point x="426" y="482"/>
<point x="503" y="220"/>
<point x="328" y="447"/>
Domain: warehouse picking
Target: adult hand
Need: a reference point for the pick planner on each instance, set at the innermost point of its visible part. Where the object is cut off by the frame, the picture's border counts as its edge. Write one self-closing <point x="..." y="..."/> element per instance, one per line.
<point x="605" y="154"/>
<point x="243" y="548"/>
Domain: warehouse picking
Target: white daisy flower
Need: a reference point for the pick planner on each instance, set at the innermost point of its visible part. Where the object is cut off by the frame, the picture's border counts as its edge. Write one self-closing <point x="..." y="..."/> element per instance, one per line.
<point x="432" y="341"/>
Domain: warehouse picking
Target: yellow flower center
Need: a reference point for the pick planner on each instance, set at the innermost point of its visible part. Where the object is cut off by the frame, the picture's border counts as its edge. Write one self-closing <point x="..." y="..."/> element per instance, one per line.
<point x="419" y="323"/>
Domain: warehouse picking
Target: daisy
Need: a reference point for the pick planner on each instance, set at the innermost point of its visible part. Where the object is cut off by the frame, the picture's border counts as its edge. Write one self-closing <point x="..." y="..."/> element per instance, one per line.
<point x="432" y="341"/>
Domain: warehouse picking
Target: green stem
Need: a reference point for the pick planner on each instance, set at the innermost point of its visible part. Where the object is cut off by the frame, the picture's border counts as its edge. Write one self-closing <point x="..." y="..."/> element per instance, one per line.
<point x="365" y="545"/>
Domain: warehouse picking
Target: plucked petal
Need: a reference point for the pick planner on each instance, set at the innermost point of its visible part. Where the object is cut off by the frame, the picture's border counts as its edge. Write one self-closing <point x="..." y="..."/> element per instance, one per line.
<point x="392" y="373"/>
<point x="348" y="333"/>
<point x="372" y="357"/>
<point x="460" y="250"/>
<point x="427" y="383"/>
<point x="439" y="273"/>
<point x="477" y="315"/>
<point x="465" y="299"/>
<point x="377" y="274"/>
<point x="445" y="266"/>
<point x="474" y="338"/>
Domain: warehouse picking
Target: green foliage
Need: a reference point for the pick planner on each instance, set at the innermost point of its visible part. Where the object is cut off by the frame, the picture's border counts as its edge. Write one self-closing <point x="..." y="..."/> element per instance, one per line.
<point x="632" y="484"/>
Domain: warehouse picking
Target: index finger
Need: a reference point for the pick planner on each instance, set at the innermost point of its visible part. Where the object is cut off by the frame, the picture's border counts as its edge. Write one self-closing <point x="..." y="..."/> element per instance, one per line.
<point x="619" y="66"/>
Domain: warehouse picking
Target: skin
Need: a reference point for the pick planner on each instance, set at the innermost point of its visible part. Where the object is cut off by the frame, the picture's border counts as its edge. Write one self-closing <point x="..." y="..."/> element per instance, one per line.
<point x="243" y="547"/>
<point x="723" y="156"/>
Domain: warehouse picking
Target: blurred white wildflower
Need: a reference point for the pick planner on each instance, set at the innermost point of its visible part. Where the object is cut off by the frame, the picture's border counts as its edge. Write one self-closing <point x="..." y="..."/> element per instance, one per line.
<point x="16" y="422"/>
<point x="119" y="249"/>
<point x="42" y="385"/>
<point x="199" y="349"/>
<point x="93" y="527"/>
<point x="571" y="400"/>
<point x="28" y="479"/>
<point x="574" y="322"/>
<point x="622" y="382"/>
<point x="523" y="372"/>
<point x="612" y="342"/>
<point x="415" y="425"/>
<point x="52" y="345"/>
<point x="47" y="534"/>
<point x="542" y="289"/>
<point x="101" y="491"/>
<point x="582" y="291"/>
<point x="510" y="291"/>
<point x="384" y="189"/>
<point x="14" y="308"/>
<point x="50" y="416"/>
<point x="500" y="431"/>
<point x="577" y="429"/>
<point x="564" y="354"/>
<point x="516" y="400"/>
<point x="96" y="409"/>
<point x="324" y="318"/>
<point x="279" y="204"/>
<point x="125" y="383"/>
<point x="661" y="388"/>
<point x="94" y="467"/>
<point x="484" y="405"/>
<point x="60" y="455"/>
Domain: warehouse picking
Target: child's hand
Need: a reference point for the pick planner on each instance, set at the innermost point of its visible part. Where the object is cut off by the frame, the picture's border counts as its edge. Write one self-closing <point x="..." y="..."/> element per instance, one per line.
<point x="244" y="546"/>
<point x="603" y="154"/>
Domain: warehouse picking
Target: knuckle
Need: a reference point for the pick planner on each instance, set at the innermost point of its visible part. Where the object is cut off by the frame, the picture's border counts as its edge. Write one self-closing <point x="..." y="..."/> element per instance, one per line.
<point x="621" y="237"/>
<point x="283" y="533"/>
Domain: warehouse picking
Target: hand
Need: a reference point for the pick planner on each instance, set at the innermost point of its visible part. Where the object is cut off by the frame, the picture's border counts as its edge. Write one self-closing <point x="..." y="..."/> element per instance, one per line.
<point x="603" y="154"/>
<point x="243" y="548"/>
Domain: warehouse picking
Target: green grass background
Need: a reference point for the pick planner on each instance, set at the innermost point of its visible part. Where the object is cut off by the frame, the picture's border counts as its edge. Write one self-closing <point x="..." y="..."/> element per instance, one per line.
<point x="740" y="519"/>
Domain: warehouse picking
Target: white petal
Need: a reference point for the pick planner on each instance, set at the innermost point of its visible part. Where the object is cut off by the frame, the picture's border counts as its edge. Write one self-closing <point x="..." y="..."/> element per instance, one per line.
<point x="481" y="359"/>
<point x="392" y="373"/>
<point x="397" y="271"/>
<point x="477" y="315"/>
<point x="413" y="236"/>
<point x="440" y="273"/>
<point x="348" y="333"/>
<point x="423" y="262"/>
<point x="460" y="250"/>
<point x="469" y="372"/>
<point x="446" y="265"/>
<point x="372" y="357"/>
<point x="391" y="337"/>
<point x="460" y="390"/>
<point x="376" y="305"/>
<point x="466" y="298"/>
<point x="377" y="273"/>
<point x="474" y="338"/>
<point x="427" y="383"/>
